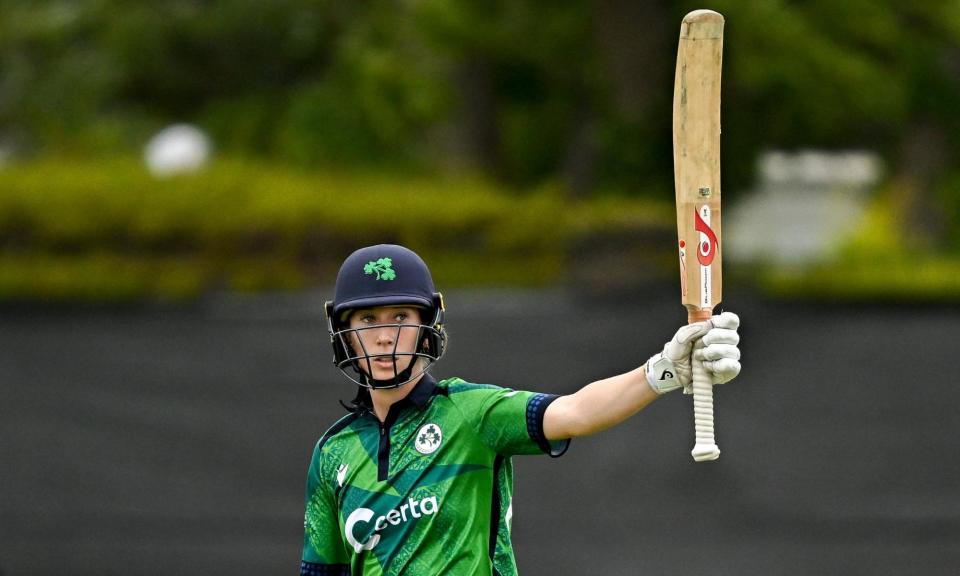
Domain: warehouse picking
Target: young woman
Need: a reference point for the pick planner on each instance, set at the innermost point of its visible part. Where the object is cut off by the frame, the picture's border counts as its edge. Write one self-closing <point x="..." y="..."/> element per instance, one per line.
<point x="417" y="478"/>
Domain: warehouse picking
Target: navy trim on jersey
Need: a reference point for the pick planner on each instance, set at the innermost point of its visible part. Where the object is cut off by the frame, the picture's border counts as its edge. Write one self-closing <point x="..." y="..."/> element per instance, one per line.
<point x="495" y="511"/>
<point x="383" y="453"/>
<point x="536" y="408"/>
<point x="313" y="569"/>
<point x="362" y="402"/>
<point x="422" y="392"/>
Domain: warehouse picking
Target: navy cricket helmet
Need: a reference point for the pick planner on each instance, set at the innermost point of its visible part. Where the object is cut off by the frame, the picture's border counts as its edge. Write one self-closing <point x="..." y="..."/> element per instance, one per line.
<point x="385" y="275"/>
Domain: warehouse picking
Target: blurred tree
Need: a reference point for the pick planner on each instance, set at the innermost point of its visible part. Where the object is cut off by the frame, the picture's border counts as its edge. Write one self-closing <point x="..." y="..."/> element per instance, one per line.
<point x="520" y="69"/>
<point x="53" y="75"/>
<point x="928" y="142"/>
<point x="882" y="76"/>
<point x="228" y="64"/>
<point x="631" y="75"/>
<point x="559" y="90"/>
<point x="376" y="101"/>
<point x="524" y="90"/>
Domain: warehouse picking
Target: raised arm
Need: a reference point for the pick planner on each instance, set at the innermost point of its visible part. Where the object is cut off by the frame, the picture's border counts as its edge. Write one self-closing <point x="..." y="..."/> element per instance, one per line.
<point x="598" y="405"/>
<point x="605" y="403"/>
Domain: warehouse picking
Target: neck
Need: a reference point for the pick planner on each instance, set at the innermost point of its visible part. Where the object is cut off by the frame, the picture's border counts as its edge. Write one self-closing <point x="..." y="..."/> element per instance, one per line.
<point x="384" y="398"/>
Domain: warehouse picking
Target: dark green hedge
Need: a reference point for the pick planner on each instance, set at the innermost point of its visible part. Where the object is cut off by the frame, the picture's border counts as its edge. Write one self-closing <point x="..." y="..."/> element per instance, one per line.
<point x="107" y="231"/>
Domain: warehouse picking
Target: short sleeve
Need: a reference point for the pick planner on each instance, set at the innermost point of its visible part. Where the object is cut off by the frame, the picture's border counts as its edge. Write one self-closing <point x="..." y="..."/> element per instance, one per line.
<point x="508" y="421"/>
<point x="324" y="553"/>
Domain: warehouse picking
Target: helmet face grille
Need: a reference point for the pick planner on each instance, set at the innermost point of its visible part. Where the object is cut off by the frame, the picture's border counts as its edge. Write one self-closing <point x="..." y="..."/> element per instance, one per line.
<point x="357" y="365"/>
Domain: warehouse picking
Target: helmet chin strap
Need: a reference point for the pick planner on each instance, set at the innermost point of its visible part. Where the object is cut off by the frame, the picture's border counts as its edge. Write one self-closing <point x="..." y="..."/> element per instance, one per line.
<point x="399" y="378"/>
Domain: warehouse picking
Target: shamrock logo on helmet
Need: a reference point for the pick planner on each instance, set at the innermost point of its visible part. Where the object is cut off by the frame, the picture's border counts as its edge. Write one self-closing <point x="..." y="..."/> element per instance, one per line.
<point x="382" y="268"/>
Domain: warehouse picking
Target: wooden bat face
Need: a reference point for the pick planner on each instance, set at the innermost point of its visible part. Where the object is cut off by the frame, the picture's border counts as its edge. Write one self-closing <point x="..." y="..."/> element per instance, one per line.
<point x="696" y="160"/>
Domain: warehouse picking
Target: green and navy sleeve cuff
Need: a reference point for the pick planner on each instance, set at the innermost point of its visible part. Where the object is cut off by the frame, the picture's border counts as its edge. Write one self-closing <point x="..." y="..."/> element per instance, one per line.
<point x="536" y="408"/>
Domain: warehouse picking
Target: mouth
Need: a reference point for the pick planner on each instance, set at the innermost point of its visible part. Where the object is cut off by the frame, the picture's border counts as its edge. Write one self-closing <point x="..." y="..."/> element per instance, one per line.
<point x="384" y="361"/>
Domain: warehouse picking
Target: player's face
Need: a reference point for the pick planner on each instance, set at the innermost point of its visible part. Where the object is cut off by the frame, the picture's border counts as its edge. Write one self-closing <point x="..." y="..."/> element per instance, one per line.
<point x="387" y="336"/>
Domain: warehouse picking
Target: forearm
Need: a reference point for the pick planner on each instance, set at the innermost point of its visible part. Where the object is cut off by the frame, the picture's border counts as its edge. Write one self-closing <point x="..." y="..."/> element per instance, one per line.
<point x="598" y="405"/>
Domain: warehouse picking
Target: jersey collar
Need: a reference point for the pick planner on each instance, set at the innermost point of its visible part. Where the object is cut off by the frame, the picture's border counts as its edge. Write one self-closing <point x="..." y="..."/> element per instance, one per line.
<point x="422" y="391"/>
<point x="417" y="398"/>
<point x="420" y="395"/>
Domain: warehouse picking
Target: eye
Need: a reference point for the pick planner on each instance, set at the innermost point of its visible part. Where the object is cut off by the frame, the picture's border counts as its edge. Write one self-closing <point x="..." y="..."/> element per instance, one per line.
<point x="368" y="319"/>
<point x="401" y="317"/>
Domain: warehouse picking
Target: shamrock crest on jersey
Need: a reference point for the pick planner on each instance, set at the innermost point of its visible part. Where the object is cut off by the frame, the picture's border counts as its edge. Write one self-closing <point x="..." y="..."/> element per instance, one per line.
<point x="382" y="268"/>
<point x="428" y="439"/>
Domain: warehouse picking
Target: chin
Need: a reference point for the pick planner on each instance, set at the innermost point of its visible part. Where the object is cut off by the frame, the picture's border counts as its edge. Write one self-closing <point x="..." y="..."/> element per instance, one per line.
<point x="386" y="373"/>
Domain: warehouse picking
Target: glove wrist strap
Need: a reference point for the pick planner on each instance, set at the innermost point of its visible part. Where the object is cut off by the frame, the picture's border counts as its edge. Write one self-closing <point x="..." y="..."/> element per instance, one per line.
<point x="661" y="374"/>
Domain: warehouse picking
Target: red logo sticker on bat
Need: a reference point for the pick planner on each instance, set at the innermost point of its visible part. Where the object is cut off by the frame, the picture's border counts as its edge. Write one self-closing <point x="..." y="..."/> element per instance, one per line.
<point x="683" y="268"/>
<point x="708" y="241"/>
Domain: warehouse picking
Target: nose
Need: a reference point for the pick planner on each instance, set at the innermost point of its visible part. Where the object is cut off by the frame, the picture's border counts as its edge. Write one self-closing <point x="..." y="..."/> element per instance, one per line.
<point x="385" y="336"/>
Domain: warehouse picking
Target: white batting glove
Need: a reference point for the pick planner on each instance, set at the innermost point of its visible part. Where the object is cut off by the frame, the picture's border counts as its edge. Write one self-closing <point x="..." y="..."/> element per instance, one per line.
<point x="671" y="369"/>
<point x="718" y="348"/>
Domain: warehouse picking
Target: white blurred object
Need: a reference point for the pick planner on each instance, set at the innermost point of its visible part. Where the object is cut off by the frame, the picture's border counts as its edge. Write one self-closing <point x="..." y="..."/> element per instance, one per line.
<point x="177" y="149"/>
<point x="805" y="205"/>
<point x="852" y="169"/>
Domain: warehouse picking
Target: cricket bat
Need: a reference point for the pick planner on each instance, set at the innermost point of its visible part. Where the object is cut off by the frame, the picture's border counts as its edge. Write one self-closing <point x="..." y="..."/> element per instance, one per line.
<point x="696" y="168"/>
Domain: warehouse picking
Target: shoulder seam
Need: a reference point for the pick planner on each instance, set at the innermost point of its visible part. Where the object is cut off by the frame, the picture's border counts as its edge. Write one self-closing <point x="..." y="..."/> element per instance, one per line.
<point x="465" y="386"/>
<point x="336" y="428"/>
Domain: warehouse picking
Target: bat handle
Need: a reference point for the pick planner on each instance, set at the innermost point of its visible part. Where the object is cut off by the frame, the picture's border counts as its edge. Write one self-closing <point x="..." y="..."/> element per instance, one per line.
<point x="706" y="447"/>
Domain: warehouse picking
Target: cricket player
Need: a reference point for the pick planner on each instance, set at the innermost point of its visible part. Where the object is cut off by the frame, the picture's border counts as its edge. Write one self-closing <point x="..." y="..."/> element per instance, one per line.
<point x="417" y="478"/>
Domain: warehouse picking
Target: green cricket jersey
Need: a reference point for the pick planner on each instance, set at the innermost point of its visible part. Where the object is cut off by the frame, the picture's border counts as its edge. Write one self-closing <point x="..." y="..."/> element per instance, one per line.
<point x="428" y="491"/>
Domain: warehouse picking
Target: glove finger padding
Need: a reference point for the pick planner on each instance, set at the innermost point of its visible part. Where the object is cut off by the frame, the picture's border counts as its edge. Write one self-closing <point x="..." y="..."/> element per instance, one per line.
<point x="688" y="385"/>
<point x="723" y="370"/>
<point x="718" y="348"/>
<point x="687" y="334"/>
<point x="717" y="351"/>
<point x="680" y="348"/>
<point x="721" y="336"/>
<point x="727" y="320"/>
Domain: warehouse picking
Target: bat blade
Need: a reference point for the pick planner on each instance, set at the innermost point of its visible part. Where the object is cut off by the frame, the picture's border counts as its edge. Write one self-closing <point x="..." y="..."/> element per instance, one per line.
<point x="696" y="165"/>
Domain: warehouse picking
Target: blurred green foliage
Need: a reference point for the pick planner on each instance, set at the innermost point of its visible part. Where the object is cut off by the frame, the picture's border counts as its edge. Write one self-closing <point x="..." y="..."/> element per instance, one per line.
<point x="525" y="89"/>
<point x="892" y="278"/>
<point x="574" y="96"/>
<point x="874" y="264"/>
<point x="110" y="231"/>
